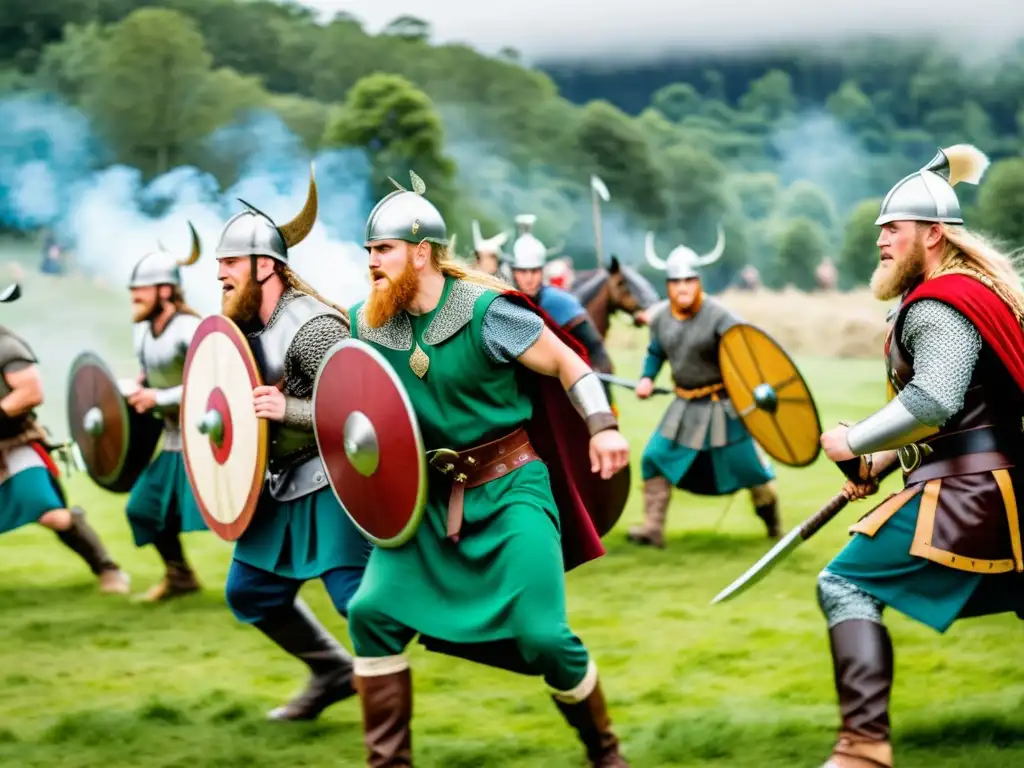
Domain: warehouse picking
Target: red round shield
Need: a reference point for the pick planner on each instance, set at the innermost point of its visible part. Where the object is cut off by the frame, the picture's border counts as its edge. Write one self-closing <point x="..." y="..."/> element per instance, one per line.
<point x="370" y="443"/>
<point x="224" y="441"/>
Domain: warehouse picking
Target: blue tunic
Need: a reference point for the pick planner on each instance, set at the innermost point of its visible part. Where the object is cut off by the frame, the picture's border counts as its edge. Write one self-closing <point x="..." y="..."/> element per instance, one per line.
<point x="561" y="305"/>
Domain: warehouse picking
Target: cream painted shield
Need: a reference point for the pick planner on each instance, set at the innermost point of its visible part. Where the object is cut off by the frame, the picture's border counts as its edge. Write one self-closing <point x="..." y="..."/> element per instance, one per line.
<point x="225" y="443"/>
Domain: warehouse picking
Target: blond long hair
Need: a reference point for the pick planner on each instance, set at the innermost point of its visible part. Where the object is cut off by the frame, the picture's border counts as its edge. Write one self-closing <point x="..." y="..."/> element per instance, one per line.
<point x="180" y="305"/>
<point x="292" y="280"/>
<point x="968" y="253"/>
<point x="441" y="259"/>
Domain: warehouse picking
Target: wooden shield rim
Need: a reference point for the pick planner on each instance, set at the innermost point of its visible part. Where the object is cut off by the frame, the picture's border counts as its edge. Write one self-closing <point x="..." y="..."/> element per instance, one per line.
<point x="89" y="358"/>
<point x="410" y="528"/>
<point x="222" y="324"/>
<point x="627" y="486"/>
<point x="723" y="352"/>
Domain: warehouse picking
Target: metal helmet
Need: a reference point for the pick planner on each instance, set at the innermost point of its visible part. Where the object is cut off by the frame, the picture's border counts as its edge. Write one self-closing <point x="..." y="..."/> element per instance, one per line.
<point x="407" y="216"/>
<point x="528" y="252"/>
<point x="159" y="267"/>
<point x="683" y="262"/>
<point x="927" y="194"/>
<point x="10" y="294"/>
<point x="253" y="233"/>
<point x="490" y="244"/>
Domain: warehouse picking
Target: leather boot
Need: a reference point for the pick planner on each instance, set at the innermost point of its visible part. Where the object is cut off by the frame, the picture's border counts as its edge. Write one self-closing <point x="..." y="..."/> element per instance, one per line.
<point x="769" y="513"/>
<point x="657" y="492"/>
<point x="591" y="721"/>
<point x="387" y="718"/>
<point x="179" y="579"/>
<point x="862" y="660"/>
<point x="766" y="506"/>
<point x="297" y="632"/>
<point x="81" y="539"/>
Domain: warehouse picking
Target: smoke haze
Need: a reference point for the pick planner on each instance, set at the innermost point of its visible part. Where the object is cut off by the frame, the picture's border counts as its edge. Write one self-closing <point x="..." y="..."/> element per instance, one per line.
<point x="645" y="29"/>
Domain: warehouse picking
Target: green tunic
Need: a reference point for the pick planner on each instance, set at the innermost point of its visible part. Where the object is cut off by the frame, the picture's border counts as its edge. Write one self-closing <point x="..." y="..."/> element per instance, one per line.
<point x="503" y="580"/>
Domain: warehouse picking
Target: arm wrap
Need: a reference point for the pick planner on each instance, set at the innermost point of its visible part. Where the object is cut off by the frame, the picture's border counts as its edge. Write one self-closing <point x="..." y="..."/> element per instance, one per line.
<point x="298" y="412"/>
<point x="171" y="396"/>
<point x="591" y="402"/>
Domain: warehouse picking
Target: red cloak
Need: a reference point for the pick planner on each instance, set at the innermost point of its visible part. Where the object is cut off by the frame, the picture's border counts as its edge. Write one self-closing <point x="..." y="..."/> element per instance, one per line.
<point x="561" y="438"/>
<point x="994" y="320"/>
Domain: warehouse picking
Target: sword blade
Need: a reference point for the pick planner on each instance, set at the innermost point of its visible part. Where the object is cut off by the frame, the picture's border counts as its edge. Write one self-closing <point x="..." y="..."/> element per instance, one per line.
<point x="761" y="568"/>
<point x="629" y="383"/>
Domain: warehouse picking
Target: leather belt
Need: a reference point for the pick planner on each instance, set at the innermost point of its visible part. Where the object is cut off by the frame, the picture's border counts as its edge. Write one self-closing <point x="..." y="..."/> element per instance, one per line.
<point x="478" y="465"/>
<point x="711" y="391"/>
<point x="948" y="454"/>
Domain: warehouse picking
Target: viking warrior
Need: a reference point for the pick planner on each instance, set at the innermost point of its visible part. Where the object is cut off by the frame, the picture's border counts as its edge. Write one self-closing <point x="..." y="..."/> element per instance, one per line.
<point x="299" y="531"/>
<point x="482" y="576"/>
<point x="948" y="545"/>
<point x="161" y="505"/>
<point x="30" y="491"/>
<point x="488" y="254"/>
<point x="529" y="257"/>
<point x="701" y="445"/>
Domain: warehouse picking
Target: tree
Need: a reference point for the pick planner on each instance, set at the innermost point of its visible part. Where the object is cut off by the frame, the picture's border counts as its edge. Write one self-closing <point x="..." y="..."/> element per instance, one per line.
<point x="154" y="93"/>
<point x="677" y="101"/>
<point x="804" y="199"/>
<point x="859" y="255"/>
<point x="850" y="105"/>
<point x="771" y="95"/>
<point x="1001" y="200"/>
<point x="800" y="247"/>
<point x="757" y="193"/>
<point x="616" y="150"/>
<point x="408" y="27"/>
<point x="400" y="129"/>
<point x="68" y="67"/>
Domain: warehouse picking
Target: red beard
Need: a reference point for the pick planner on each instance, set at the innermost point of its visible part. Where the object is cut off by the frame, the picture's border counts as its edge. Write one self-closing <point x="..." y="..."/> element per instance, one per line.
<point x="381" y="306"/>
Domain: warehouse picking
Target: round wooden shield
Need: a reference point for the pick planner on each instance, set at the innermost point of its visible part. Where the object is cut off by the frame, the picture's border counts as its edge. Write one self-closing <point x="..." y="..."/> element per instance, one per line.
<point x="115" y="442"/>
<point x="770" y="395"/>
<point x="370" y="443"/>
<point x="225" y="443"/>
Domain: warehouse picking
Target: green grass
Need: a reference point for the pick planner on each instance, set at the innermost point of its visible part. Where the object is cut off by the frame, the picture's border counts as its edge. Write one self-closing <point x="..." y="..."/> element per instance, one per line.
<point x="99" y="681"/>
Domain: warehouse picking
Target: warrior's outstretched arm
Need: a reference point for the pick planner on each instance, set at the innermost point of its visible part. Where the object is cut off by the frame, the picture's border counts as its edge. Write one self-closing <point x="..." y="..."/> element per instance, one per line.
<point x="945" y="348"/>
<point x="309" y="347"/>
<point x="655" y="358"/>
<point x="511" y="332"/>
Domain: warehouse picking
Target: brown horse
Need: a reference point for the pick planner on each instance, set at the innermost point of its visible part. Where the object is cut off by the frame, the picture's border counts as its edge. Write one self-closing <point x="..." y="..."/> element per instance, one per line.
<point x="617" y="288"/>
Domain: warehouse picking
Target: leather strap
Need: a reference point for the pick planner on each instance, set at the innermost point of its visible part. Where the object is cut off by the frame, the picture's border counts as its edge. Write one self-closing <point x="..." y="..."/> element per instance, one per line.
<point x="479" y="465"/>
<point x="965" y="464"/>
<point x="711" y="391"/>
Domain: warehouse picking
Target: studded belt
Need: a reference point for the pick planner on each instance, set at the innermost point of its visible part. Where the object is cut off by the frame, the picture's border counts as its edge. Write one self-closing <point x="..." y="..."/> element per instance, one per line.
<point x="700" y="393"/>
<point x="478" y="465"/>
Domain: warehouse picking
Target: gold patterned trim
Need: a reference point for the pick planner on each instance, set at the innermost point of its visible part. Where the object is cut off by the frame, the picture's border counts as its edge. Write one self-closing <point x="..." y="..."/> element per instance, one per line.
<point x="1005" y="484"/>
<point x="922" y="544"/>
<point x="872" y="522"/>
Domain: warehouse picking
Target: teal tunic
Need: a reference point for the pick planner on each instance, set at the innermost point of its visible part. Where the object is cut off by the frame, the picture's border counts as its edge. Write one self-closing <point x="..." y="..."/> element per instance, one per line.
<point x="881" y="565"/>
<point x="504" y="579"/>
<point x="27" y="496"/>
<point x="162" y="500"/>
<point x="716" y="471"/>
<point x="302" y="539"/>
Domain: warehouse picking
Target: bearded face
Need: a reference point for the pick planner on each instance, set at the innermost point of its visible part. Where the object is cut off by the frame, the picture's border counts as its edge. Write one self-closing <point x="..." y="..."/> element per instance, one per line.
<point x="528" y="280"/>
<point x="394" y="281"/>
<point x="146" y="303"/>
<point x="242" y="296"/>
<point x="683" y="293"/>
<point x="902" y="259"/>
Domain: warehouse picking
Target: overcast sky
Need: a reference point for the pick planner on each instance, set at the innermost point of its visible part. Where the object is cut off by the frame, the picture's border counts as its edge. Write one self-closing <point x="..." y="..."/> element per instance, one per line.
<point x="546" y="28"/>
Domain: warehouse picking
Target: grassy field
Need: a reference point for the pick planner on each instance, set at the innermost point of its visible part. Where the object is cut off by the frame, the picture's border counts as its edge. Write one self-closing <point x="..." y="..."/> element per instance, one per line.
<point x="100" y="681"/>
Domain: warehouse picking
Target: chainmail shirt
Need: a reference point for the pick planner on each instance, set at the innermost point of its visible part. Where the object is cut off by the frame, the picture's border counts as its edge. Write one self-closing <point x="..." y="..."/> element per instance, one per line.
<point x="945" y="347"/>
<point x="509" y="330"/>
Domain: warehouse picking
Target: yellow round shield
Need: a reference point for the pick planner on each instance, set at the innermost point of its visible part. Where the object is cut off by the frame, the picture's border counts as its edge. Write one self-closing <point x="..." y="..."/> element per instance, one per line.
<point x="770" y="395"/>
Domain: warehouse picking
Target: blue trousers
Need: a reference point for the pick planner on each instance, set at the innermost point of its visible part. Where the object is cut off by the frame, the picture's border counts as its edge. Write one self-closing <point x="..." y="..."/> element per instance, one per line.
<point x="254" y="594"/>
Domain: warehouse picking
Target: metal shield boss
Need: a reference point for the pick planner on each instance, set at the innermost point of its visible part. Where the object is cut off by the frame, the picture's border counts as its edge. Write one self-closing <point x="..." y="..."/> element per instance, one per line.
<point x="370" y="443"/>
<point x="114" y="441"/>
<point x="770" y="395"/>
<point x="225" y="443"/>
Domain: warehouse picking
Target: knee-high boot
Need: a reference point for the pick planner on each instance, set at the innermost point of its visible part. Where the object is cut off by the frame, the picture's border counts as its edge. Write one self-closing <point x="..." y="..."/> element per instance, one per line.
<point x="297" y="632"/>
<point x="589" y="717"/>
<point x="387" y="718"/>
<point x="657" y="493"/>
<point x="766" y="506"/>
<point x="83" y="540"/>
<point x="862" y="659"/>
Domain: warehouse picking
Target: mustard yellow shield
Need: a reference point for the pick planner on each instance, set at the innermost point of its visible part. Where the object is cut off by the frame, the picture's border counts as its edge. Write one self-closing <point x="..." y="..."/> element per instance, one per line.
<point x="770" y="395"/>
